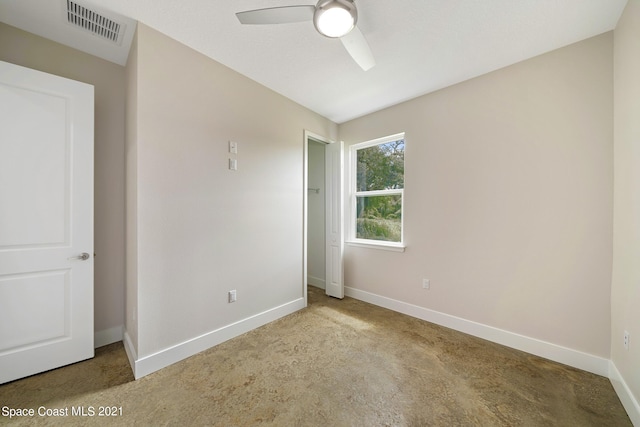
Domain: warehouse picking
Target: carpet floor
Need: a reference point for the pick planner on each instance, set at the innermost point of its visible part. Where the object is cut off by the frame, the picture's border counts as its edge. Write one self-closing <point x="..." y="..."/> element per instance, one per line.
<point x="335" y="363"/>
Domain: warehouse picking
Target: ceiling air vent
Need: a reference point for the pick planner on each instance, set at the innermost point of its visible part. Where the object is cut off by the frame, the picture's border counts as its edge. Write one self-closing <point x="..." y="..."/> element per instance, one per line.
<point x="94" y="22"/>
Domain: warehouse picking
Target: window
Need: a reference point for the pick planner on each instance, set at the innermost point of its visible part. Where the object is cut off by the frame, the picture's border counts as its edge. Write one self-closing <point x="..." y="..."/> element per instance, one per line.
<point x="377" y="190"/>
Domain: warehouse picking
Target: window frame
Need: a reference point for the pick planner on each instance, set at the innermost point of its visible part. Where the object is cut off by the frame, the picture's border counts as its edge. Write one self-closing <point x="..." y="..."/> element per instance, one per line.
<point x="354" y="194"/>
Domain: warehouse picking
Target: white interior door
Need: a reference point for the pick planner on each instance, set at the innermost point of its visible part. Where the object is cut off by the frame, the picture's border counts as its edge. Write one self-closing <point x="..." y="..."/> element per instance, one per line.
<point x="46" y="221"/>
<point x="334" y="176"/>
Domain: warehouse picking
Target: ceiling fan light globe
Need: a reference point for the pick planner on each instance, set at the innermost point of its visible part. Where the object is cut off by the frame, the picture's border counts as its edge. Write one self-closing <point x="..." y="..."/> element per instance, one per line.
<point x="335" y="18"/>
<point x="335" y="22"/>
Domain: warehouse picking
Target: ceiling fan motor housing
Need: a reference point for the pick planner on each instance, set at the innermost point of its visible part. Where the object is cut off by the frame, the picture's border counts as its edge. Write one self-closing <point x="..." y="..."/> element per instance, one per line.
<point x="324" y="6"/>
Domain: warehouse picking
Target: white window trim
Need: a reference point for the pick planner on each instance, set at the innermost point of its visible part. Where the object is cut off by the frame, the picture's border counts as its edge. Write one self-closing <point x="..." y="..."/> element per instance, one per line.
<point x="381" y="245"/>
<point x="352" y="240"/>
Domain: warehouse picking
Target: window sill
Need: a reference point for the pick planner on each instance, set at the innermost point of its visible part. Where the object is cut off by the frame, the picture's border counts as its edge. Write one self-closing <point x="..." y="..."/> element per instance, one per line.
<point x="380" y="246"/>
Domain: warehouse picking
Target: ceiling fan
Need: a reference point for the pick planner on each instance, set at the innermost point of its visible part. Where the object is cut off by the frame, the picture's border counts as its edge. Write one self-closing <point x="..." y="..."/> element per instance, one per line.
<point x="332" y="18"/>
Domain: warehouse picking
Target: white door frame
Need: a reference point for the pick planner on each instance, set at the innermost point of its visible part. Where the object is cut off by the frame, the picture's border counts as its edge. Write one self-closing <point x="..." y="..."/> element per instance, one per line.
<point x="305" y="194"/>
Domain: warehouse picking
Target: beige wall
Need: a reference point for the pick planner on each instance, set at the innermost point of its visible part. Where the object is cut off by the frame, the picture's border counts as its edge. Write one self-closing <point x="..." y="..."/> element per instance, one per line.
<point x="202" y="229"/>
<point x="508" y="199"/>
<point x="28" y="50"/>
<point x="625" y="296"/>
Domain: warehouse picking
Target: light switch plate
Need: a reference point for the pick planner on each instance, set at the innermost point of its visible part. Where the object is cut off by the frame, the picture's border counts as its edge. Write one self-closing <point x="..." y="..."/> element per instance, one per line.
<point x="233" y="164"/>
<point x="233" y="147"/>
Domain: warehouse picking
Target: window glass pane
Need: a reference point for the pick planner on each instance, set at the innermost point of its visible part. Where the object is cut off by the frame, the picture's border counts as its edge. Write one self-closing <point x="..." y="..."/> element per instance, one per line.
<point x="381" y="167"/>
<point x="379" y="218"/>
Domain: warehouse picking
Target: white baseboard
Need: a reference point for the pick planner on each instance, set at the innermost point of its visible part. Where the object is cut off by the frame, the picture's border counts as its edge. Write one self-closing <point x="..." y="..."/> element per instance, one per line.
<point x="132" y="355"/>
<point x="148" y="364"/>
<point x="567" y="356"/>
<point x="107" y="336"/>
<point x="629" y="402"/>
<point x="316" y="281"/>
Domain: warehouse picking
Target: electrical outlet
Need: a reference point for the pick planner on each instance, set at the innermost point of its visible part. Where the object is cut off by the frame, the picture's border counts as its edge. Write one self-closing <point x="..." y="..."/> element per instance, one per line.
<point x="626" y="340"/>
<point x="232" y="296"/>
<point x="426" y="284"/>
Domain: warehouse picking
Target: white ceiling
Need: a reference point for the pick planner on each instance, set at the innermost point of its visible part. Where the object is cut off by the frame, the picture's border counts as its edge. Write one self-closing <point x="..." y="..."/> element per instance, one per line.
<point x="420" y="45"/>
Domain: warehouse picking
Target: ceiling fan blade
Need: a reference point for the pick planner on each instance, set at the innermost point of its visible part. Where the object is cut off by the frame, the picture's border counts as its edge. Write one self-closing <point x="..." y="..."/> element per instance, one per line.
<point x="358" y="48"/>
<point x="277" y="15"/>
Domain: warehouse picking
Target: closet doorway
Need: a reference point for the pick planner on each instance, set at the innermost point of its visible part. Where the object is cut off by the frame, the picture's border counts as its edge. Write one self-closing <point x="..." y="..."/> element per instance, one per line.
<point x="316" y="211"/>
<point x="323" y="215"/>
